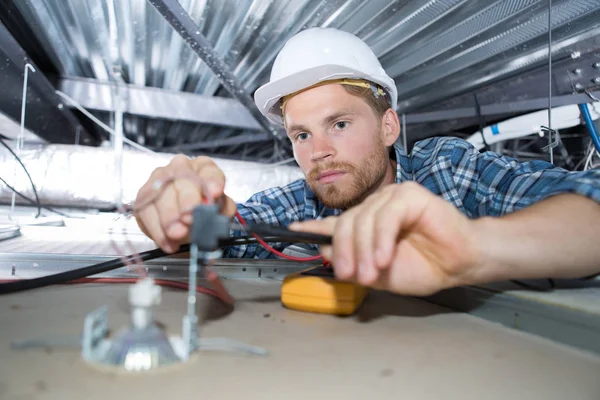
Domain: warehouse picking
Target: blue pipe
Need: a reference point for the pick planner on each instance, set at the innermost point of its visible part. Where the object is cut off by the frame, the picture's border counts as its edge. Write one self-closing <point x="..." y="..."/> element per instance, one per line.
<point x="590" y="124"/>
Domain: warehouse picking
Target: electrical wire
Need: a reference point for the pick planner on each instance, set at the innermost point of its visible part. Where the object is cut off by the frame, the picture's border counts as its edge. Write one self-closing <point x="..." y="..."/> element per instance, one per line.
<point x="106" y="266"/>
<point x="32" y="201"/>
<point x="271" y="249"/>
<point x="161" y="185"/>
<point x="100" y="123"/>
<point x="481" y="121"/>
<point x="551" y="286"/>
<point x="63" y="277"/>
<point x="590" y="125"/>
<point x="37" y="198"/>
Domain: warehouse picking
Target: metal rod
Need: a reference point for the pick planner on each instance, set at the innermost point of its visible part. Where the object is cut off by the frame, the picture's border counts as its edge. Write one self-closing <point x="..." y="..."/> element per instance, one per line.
<point x="183" y="24"/>
<point x="100" y="123"/>
<point x="404" y="140"/>
<point x="53" y="122"/>
<point x="191" y="303"/>
<point x="28" y="67"/>
<point x="118" y="145"/>
<point x="550" y="138"/>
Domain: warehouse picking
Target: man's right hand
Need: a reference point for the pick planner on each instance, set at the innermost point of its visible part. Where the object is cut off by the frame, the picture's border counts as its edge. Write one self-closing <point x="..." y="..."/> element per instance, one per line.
<point x="167" y="219"/>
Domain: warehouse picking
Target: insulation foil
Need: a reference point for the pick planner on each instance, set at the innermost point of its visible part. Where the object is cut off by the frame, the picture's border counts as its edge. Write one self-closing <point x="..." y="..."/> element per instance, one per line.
<point x="87" y="177"/>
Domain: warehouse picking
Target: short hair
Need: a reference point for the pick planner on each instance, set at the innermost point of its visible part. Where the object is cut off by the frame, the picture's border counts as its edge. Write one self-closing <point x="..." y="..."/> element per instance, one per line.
<point x="374" y="95"/>
<point x="379" y="103"/>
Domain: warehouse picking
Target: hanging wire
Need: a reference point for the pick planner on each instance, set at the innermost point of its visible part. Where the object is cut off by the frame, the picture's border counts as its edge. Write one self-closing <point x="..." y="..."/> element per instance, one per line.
<point x="98" y="122"/>
<point x="404" y="138"/>
<point x="550" y="131"/>
<point x="27" y="68"/>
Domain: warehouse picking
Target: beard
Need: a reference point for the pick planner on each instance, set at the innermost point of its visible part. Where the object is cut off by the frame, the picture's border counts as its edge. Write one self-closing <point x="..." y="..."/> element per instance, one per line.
<point x="364" y="180"/>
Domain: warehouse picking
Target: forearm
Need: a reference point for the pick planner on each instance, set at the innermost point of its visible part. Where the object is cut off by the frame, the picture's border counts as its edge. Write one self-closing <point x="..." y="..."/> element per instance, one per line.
<point x="556" y="238"/>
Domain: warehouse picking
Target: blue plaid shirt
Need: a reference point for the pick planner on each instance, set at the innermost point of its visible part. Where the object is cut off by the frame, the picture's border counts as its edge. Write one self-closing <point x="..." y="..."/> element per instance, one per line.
<point x="478" y="184"/>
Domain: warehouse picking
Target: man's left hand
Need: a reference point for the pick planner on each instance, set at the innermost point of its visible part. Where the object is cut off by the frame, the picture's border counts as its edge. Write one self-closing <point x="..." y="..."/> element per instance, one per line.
<point x="403" y="239"/>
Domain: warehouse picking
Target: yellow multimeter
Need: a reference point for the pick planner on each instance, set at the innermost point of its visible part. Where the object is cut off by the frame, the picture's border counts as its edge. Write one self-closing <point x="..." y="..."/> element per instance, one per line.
<point x="316" y="290"/>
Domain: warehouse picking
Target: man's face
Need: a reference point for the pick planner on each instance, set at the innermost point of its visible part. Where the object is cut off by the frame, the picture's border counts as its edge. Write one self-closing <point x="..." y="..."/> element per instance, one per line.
<point x="338" y="143"/>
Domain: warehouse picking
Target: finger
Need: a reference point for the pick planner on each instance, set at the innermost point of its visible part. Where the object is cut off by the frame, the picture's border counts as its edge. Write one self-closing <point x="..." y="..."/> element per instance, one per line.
<point x="343" y="255"/>
<point x="189" y="196"/>
<point x="167" y="206"/>
<point x="324" y="226"/>
<point x="144" y="209"/>
<point x="364" y="243"/>
<point x="326" y="252"/>
<point x="229" y="207"/>
<point x="215" y="181"/>
<point x="152" y="225"/>
<point x="383" y="281"/>
<point x="212" y="175"/>
<point x="402" y="208"/>
<point x="151" y="189"/>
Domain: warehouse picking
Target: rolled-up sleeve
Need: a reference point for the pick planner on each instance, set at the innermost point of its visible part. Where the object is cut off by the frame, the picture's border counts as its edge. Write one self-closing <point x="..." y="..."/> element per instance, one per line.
<point x="492" y="184"/>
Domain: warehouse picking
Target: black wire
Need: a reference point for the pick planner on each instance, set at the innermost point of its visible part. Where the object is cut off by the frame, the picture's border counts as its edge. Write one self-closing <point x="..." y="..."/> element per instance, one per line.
<point x="550" y="287"/>
<point x="37" y="198"/>
<point x="31" y="200"/>
<point x="67" y="276"/>
<point x="284" y="233"/>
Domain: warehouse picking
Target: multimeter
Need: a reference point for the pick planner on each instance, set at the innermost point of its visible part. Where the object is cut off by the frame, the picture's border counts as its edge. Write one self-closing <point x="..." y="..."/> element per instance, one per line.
<point x="316" y="290"/>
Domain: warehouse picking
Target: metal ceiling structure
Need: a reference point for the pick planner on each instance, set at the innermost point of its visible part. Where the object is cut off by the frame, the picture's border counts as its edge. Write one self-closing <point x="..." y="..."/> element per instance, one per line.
<point x="188" y="68"/>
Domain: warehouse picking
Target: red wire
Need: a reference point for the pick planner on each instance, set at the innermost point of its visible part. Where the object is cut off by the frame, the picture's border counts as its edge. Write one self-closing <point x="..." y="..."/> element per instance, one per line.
<point x="274" y="251"/>
<point x="160" y="282"/>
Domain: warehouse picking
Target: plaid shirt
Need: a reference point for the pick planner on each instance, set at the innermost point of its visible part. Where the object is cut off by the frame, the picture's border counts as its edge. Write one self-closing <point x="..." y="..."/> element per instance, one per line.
<point x="478" y="184"/>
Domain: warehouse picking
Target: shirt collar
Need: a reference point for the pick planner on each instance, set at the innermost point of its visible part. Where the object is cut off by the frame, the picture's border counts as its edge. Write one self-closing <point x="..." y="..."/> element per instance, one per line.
<point x="403" y="167"/>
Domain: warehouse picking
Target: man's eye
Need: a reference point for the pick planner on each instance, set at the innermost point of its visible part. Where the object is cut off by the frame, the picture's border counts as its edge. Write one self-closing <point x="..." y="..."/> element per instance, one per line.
<point x="341" y="124"/>
<point x="302" y="136"/>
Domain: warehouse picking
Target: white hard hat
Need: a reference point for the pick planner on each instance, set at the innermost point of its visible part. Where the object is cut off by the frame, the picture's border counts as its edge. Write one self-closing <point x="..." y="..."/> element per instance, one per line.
<point x="316" y="55"/>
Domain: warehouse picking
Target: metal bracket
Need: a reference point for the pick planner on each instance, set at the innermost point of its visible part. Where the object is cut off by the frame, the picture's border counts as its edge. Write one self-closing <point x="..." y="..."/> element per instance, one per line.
<point x="554" y="138"/>
<point x="95" y="330"/>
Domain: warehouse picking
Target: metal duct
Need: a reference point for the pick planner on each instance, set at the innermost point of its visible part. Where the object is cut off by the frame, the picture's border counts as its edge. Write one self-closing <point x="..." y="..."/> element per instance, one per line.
<point x="82" y="176"/>
<point x="436" y="50"/>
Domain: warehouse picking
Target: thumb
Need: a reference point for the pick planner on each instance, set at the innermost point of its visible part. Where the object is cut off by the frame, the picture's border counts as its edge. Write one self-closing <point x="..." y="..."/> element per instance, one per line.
<point x="324" y="226"/>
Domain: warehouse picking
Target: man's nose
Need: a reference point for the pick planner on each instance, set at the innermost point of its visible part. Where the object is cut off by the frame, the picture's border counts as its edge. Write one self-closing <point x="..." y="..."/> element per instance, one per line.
<point x="322" y="149"/>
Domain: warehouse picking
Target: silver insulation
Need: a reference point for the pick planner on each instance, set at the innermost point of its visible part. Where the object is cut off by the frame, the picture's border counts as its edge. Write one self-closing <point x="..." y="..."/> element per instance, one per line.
<point x="83" y="176"/>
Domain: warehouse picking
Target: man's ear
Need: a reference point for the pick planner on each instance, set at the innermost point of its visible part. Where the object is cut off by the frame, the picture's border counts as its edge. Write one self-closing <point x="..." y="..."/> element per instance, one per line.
<point x="390" y="127"/>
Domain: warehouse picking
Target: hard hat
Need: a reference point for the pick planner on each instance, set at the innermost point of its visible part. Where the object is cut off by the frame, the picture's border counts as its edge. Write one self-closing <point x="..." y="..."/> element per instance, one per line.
<point x="316" y="55"/>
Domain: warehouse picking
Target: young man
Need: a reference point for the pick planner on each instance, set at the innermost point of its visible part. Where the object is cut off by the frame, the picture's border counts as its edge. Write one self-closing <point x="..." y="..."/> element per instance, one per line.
<point x="444" y="215"/>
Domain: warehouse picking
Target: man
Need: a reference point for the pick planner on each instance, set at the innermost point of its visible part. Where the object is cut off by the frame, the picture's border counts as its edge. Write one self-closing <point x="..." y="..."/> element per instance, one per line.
<point x="444" y="215"/>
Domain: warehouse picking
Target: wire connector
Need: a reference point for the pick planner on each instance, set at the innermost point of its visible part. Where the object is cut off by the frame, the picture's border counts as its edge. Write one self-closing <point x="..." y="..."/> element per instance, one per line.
<point x="209" y="227"/>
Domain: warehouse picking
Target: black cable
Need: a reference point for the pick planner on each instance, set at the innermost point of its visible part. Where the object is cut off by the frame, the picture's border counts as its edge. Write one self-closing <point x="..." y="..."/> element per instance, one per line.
<point x="31" y="200"/>
<point x="284" y="233"/>
<point x="37" y="198"/>
<point x="67" y="276"/>
<point x="550" y="287"/>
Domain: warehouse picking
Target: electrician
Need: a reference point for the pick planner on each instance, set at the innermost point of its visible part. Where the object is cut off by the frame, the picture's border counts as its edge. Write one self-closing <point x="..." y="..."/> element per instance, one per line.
<point x="442" y="216"/>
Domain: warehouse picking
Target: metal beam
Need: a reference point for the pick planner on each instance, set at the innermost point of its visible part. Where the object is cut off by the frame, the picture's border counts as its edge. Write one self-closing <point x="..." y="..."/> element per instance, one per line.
<point x="162" y="103"/>
<point x="549" y="317"/>
<point x="45" y="114"/>
<point x="11" y="129"/>
<point x="190" y="107"/>
<point x="500" y="108"/>
<point x="183" y="24"/>
<point x="233" y="141"/>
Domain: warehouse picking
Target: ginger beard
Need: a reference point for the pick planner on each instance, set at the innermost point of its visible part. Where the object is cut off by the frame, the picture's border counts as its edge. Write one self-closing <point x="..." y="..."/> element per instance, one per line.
<point x="363" y="179"/>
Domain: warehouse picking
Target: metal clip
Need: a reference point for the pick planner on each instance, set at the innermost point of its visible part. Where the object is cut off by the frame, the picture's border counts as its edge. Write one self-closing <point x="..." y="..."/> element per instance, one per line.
<point x="554" y="138"/>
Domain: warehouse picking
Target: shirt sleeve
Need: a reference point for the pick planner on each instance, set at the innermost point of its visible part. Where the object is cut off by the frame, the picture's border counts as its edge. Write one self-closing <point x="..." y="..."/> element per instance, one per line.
<point x="276" y="206"/>
<point x="491" y="184"/>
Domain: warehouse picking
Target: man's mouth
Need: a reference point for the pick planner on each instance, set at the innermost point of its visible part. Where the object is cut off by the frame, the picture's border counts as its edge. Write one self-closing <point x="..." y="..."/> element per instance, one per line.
<point x="330" y="176"/>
